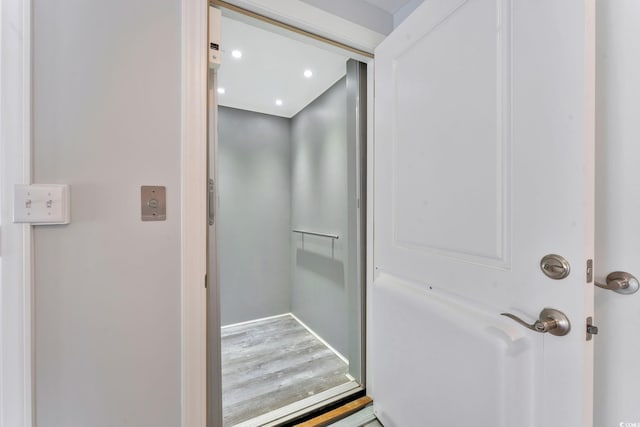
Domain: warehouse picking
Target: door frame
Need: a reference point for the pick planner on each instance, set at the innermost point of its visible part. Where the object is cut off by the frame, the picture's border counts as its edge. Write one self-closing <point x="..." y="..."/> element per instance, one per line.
<point x="302" y="20"/>
<point x="193" y="189"/>
<point x="194" y="47"/>
<point x="16" y="356"/>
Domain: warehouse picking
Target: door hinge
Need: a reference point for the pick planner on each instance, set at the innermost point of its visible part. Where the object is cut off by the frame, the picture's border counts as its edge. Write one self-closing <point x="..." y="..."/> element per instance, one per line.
<point x="589" y="270"/>
<point x="591" y="329"/>
<point x="206" y="281"/>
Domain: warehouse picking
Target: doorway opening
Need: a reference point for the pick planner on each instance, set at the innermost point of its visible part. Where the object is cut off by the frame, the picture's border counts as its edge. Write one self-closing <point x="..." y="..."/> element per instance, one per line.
<point x="286" y="236"/>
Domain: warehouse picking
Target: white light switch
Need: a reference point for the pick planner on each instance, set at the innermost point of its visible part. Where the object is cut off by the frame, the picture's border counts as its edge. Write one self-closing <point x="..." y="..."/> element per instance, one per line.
<point x="41" y="204"/>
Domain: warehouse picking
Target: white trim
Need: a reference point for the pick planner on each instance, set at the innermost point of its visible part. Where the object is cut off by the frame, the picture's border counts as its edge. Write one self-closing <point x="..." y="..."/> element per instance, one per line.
<point x="194" y="212"/>
<point x="337" y="353"/>
<point x="16" y="349"/>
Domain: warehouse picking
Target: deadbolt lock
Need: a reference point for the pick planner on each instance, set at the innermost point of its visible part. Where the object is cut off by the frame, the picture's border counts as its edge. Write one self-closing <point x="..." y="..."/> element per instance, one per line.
<point x="555" y="266"/>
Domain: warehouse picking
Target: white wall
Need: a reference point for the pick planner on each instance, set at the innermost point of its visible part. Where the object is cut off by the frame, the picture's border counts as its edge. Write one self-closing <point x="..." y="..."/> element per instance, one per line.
<point x="617" y="347"/>
<point x="106" y="100"/>
<point x="319" y="204"/>
<point x="254" y="218"/>
<point x="358" y="11"/>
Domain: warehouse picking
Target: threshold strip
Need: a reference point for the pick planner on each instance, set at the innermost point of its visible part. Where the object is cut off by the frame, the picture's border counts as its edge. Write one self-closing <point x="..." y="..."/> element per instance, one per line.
<point x="337" y="414"/>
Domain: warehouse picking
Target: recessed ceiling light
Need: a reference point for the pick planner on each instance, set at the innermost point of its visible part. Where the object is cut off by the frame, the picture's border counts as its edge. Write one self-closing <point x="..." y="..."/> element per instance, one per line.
<point x="278" y="102"/>
<point x="236" y="54"/>
<point x="308" y="73"/>
<point x="221" y="90"/>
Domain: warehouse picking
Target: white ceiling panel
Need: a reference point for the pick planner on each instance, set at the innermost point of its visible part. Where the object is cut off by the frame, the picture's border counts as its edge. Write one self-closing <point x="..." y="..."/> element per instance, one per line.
<point x="272" y="67"/>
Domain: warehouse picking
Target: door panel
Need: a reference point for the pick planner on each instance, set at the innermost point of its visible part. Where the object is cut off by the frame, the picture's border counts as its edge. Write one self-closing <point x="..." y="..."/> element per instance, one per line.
<point x="483" y="165"/>
<point x="449" y="85"/>
<point x="434" y="343"/>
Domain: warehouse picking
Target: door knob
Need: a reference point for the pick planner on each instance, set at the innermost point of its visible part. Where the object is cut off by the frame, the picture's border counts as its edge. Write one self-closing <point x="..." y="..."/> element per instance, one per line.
<point x="620" y="282"/>
<point x="551" y="320"/>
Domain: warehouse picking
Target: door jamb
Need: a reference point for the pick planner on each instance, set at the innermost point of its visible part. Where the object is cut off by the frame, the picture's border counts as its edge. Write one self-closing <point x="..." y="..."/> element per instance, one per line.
<point x="16" y="259"/>
<point x="194" y="212"/>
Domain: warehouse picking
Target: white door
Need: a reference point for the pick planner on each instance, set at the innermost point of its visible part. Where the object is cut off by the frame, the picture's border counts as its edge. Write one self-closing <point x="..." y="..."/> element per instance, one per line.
<point x="617" y="347"/>
<point x="483" y="165"/>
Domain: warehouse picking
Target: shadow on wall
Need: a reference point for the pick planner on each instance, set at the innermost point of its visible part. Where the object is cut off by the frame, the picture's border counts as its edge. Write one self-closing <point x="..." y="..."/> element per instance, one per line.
<point x="327" y="267"/>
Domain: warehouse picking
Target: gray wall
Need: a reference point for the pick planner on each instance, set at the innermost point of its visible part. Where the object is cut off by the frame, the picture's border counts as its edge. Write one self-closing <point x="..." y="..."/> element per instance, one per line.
<point x="254" y="220"/>
<point x="107" y="286"/>
<point x="356" y="86"/>
<point x="276" y="174"/>
<point x="319" y="203"/>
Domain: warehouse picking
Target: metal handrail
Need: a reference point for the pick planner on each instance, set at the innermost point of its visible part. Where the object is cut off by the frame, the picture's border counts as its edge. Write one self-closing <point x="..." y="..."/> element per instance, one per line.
<point x="331" y="236"/>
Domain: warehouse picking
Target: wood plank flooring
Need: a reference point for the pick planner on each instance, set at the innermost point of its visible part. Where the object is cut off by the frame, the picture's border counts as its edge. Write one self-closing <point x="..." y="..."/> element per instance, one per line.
<point x="272" y="363"/>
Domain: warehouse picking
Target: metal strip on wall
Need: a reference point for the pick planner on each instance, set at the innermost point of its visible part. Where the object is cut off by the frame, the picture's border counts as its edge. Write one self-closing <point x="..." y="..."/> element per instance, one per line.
<point x="246" y="12"/>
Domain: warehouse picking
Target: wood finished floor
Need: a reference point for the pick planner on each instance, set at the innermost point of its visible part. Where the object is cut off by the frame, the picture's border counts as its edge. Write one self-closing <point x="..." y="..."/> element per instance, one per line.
<point x="272" y="363"/>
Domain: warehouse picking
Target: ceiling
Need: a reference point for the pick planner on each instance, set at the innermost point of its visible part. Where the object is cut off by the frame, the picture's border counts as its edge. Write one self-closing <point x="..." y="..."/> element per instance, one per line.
<point x="376" y="15"/>
<point x="272" y="67"/>
<point x="389" y="6"/>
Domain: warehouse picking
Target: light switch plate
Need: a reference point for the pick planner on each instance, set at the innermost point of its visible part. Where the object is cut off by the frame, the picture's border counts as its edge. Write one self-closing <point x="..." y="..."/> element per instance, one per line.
<point x="153" y="203"/>
<point x="41" y="204"/>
